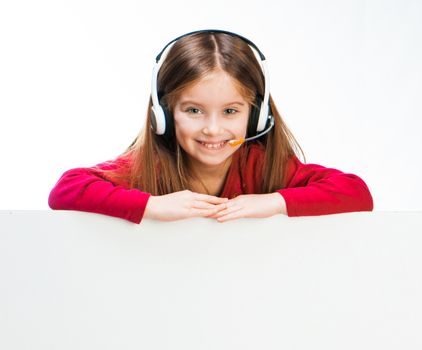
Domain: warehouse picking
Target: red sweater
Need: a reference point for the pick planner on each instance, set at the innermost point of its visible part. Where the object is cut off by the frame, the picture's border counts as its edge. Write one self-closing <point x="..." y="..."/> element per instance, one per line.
<point x="311" y="189"/>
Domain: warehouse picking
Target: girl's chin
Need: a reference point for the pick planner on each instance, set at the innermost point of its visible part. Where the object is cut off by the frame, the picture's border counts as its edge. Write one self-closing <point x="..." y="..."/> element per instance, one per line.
<point x="210" y="160"/>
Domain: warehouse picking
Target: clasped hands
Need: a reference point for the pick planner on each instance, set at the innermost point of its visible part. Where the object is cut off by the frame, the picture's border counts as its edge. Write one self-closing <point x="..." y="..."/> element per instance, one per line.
<point x="188" y="204"/>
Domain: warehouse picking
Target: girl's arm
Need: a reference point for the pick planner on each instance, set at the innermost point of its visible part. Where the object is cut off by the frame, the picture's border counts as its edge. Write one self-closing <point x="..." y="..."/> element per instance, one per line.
<point x="86" y="189"/>
<point x="311" y="190"/>
<point x="315" y="190"/>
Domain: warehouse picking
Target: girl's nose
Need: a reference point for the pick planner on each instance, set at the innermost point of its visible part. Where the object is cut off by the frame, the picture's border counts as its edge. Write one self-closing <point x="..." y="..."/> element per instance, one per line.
<point x="212" y="126"/>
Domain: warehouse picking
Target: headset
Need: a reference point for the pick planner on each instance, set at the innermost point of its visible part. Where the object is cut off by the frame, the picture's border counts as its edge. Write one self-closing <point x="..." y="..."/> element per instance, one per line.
<point x="261" y="119"/>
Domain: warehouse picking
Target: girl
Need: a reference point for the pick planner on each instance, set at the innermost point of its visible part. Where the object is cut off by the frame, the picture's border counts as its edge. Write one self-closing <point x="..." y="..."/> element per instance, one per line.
<point x="214" y="145"/>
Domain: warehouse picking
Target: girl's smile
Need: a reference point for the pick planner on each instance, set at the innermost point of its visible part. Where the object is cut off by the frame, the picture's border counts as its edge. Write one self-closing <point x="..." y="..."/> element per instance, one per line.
<point x="213" y="145"/>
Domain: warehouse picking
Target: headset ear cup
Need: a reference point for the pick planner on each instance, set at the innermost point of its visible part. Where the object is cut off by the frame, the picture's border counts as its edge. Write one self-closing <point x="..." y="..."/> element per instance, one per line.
<point x="153" y="120"/>
<point x="253" y="117"/>
<point x="158" y="123"/>
<point x="169" y="134"/>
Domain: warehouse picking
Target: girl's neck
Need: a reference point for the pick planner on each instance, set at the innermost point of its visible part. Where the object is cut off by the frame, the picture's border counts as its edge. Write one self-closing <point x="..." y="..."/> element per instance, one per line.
<point x="210" y="172"/>
<point x="209" y="180"/>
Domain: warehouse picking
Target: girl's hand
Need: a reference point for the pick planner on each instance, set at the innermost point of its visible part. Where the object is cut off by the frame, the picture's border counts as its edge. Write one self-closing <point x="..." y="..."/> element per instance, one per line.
<point x="252" y="206"/>
<point x="182" y="205"/>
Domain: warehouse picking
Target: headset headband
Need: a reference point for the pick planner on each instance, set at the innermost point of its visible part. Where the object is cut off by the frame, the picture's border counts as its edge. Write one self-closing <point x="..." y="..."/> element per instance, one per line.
<point x="250" y="43"/>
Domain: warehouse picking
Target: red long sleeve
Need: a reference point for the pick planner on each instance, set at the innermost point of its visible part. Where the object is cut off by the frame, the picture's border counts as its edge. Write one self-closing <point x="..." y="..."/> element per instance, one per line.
<point x="85" y="189"/>
<point x="315" y="190"/>
<point x="311" y="189"/>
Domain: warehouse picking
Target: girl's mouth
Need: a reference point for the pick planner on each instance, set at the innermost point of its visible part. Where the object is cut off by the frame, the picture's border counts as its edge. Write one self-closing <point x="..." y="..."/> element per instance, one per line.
<point x="213" y="145"/>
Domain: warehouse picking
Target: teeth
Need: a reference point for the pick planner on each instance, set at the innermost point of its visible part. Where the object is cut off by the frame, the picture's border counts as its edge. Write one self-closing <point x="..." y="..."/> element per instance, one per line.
<point x="213" y="145"/>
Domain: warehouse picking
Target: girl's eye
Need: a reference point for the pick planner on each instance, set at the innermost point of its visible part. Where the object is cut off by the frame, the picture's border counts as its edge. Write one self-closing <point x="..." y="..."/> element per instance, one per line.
<point x="192" y="110"/>
<point x="233" y="111"/>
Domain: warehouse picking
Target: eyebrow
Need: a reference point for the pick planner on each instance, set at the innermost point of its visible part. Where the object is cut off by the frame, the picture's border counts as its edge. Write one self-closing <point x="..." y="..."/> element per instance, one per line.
<point x="198" y="104"/>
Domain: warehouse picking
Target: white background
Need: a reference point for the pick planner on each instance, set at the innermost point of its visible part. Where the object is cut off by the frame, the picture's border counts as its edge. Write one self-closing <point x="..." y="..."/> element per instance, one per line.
<point x="75" y="81"/>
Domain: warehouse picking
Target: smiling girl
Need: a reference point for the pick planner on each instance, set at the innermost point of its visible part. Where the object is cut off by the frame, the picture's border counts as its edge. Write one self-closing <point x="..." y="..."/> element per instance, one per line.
<point x="214" y="145"/>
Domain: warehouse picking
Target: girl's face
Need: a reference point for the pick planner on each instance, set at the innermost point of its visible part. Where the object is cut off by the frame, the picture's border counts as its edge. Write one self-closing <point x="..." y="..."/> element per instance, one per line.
<point x="208" y="115"/>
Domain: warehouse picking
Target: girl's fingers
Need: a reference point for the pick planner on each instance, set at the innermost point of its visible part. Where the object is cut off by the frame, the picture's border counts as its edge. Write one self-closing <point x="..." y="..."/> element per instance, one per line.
<point x="208" y="212"/>
<point x="230" y="216"/>
<point x="210" y="199"/>
<point x="203" y="212"/>
<point x="217" y="208"/>
<point x="203" y="205"/>
<point x="230" y="208"/>
<point x="226" y="208"/>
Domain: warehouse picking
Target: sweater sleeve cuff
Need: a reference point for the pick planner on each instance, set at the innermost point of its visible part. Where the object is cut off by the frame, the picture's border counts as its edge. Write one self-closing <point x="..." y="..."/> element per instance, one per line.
<point x="290" y="206"/>
<point x="136" y="214"/>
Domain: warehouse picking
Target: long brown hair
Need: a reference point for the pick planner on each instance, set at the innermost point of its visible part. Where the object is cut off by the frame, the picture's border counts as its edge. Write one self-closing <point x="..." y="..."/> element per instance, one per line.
<point x="159" y="168"/>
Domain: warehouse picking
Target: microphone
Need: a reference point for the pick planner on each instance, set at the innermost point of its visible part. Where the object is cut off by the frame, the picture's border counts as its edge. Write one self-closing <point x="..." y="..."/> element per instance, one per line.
<point x="237" y="142"/>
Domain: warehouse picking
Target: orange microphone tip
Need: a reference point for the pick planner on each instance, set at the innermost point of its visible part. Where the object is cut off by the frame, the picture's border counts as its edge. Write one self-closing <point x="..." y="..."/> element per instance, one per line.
<point x="235" y="143"/>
